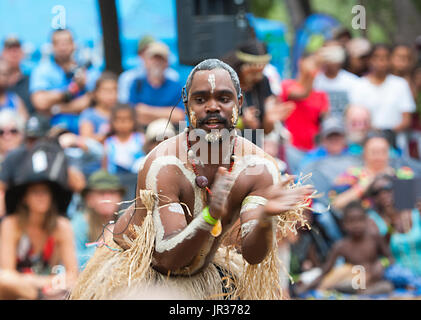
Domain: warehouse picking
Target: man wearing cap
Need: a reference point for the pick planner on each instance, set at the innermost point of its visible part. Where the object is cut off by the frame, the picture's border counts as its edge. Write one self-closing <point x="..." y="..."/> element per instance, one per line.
<point x="126" y="79"/>
<point x="101" y="198"/>
<point x="154" y="95"/>
<point x="332" y="141"/>
<point x="18" y="81"/>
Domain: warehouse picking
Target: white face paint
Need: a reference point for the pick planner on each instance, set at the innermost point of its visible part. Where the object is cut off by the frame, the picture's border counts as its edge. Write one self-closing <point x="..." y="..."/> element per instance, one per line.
<point x="211" y="80"/>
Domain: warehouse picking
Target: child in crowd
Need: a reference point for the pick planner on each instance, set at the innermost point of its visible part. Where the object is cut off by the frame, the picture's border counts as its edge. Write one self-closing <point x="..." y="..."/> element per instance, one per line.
<point x="94" y="121"/>
<point x="366" y="257"/>
<point x="124" y="146"/>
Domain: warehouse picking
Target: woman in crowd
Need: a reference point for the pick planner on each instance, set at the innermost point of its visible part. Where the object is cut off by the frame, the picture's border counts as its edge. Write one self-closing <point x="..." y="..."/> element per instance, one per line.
<point x="36" y="238"/>
<point x="355" y="182"/>
<point x="94" y="121"/>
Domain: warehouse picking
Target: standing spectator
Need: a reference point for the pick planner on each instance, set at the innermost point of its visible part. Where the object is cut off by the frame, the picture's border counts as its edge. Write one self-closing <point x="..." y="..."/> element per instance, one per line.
<point x="18" y="81"/>
<point x="310" y="108"/>
<point x="126" y="79"/>
<point x="58" y="85"/>
<point x="334" y="80"/>
<point x="125" y="145"/>
<point x="153" y="94"/>
<point x="101" y="199"/>
<point x="11" y="132"/>
<point x="261" y="109"/>
<point x="35" y="235"/>
<point x="402" y="61"/>
<point x="358" y="50"/>
<point x="387" y="96"/>
<point x="9" y="99"/>
<point x="94" y="122"/>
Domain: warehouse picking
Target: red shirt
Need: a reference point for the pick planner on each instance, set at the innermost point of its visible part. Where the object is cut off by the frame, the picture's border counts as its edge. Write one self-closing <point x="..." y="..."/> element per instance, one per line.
<point x="304" y="121"/>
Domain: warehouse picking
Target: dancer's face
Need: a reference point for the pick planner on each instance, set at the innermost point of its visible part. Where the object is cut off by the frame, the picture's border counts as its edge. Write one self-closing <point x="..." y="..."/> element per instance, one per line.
<point x="212" y="100"/>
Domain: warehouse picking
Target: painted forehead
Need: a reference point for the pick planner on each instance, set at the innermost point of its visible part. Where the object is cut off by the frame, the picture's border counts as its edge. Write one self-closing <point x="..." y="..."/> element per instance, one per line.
<point x="211" y="80"/>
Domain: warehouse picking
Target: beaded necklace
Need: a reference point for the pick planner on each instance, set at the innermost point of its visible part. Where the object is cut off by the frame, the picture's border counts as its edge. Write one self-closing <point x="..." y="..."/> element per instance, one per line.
<point x="201" y="181"/>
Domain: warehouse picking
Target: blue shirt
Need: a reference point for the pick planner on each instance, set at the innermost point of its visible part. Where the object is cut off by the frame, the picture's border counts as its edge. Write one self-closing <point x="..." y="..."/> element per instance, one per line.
<point x="167" y="95"/>
<point x="48" y="76"/>
<point x="81" y="231"/>
<point x="100" y="123"/>
<point x="11" y="102"/>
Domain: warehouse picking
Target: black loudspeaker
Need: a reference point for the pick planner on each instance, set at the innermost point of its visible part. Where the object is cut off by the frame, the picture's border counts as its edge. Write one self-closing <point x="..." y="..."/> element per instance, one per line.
<point x="210" y="28"/>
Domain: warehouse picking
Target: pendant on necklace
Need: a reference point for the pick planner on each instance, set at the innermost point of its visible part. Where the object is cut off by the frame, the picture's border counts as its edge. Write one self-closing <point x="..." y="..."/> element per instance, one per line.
<point x="202" y="181"/>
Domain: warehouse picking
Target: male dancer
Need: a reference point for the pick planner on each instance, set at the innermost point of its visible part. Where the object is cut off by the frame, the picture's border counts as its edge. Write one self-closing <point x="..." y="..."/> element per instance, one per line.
<point x="191" y="193"/>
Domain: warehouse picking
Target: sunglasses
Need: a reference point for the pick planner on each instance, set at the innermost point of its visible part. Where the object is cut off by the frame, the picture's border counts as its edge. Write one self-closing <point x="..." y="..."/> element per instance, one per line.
<point x="11" y="131"/>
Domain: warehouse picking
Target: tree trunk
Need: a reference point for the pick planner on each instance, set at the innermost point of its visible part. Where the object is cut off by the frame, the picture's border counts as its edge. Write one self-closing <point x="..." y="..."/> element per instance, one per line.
<point x="299" y="10"/>
<point x="110" y="32"/>
<point x="408" y="21"/>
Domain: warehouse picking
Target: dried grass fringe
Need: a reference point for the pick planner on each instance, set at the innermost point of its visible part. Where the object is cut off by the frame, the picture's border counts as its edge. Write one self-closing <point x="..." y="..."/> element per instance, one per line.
<point x="108" y="272"/>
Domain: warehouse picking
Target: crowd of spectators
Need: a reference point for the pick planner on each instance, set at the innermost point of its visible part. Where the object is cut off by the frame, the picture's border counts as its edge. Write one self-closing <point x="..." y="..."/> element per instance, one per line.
<point x="72" y="139"/>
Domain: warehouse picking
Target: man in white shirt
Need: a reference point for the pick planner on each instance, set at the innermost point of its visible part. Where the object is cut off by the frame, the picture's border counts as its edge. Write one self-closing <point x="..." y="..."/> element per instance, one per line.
<point x="388" y="97"/>
<point x="334" y="80"/>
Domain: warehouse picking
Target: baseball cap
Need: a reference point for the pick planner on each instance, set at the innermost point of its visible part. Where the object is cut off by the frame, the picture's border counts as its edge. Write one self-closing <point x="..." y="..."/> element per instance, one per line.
<point x="332" y="125"/>
<point x="144" y="42"/>
<point x="157" y="49"/>
<point x="37" y="126"/>
<point x="11" y="41"/>
<point x="102" y="180"/>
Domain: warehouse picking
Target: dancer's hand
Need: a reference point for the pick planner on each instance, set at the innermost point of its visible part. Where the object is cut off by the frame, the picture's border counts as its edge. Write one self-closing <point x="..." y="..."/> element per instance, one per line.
<point x="281" y="199"/>
<point x="220" y="191"/>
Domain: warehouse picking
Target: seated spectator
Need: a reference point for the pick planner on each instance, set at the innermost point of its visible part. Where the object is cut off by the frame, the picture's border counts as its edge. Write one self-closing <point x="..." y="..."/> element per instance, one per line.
<point x="101" y="199"/>
<point x="382" y="212"/>
<point x="387" y="96"/>
<point x="357" y="126"/>
<point x="333" y="142"/>
<point x="359" y="248"/>
<point x="310" y="108"/>
<point x="334" y="80"/>
<point x="36" y="236"/>
<point x="8" y="99"/>
<point x="94" y="122"/>
<point x="35" y="128"/>
<point x="154" y="95"/>
<point x="11" y="132"/>
<point x="353" y="184"/>
<point x="126" y="79"/>
<point x="59" y="86"/>
<point x="18" y="80"/>
<point x="405" y="240"/>
<point x="83" y="153"/>
<point x="124" y="146"/>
